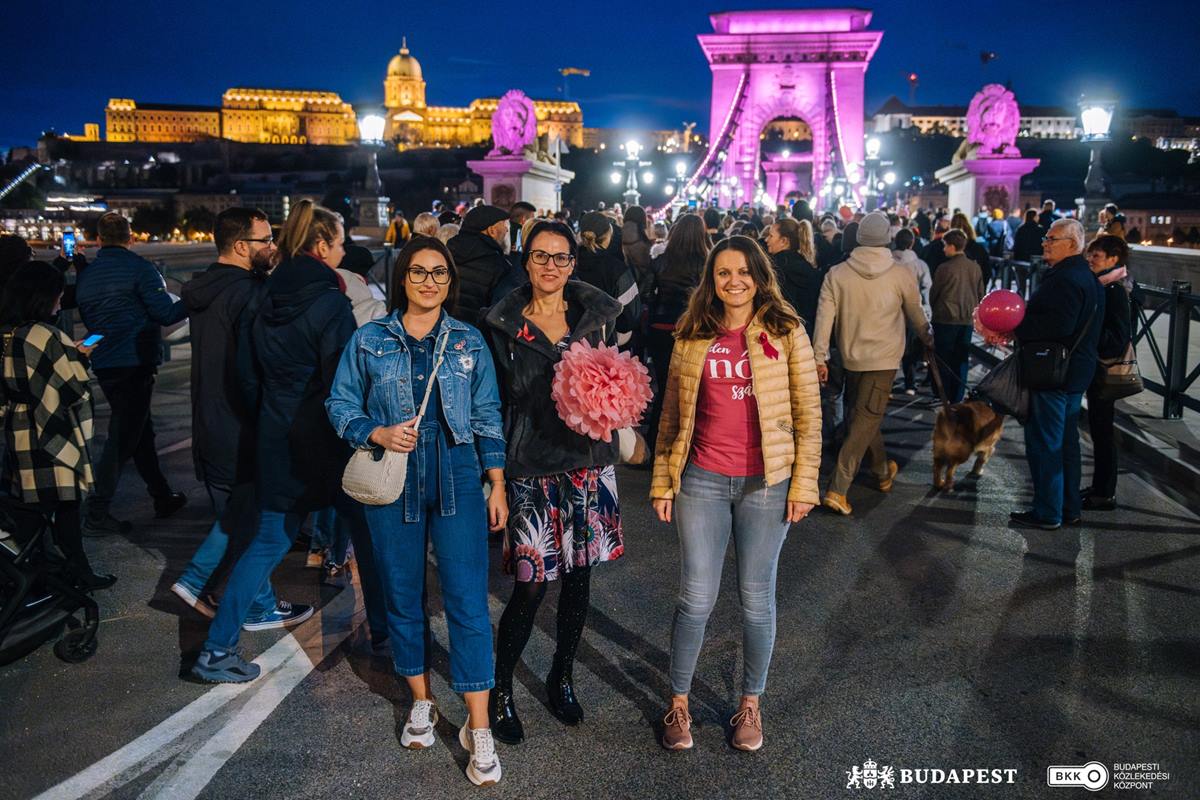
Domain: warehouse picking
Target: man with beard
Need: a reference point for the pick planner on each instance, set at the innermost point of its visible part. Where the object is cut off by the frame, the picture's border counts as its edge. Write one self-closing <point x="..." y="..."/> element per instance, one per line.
<point x="222" y="302"/>
<point x="480" y="253"/>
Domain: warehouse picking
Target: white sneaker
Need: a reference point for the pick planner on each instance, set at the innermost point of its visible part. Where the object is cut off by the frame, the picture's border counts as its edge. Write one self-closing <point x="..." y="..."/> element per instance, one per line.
<point x="418" y="730"/>
<point x="484" y="767"/>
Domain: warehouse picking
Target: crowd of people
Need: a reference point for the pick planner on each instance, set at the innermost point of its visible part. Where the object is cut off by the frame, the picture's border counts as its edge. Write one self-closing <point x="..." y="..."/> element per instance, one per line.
<point x="774" y="337"/>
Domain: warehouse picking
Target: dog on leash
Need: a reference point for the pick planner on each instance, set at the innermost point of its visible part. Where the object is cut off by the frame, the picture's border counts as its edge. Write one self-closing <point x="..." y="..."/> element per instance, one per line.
<point x="960" y="431"/>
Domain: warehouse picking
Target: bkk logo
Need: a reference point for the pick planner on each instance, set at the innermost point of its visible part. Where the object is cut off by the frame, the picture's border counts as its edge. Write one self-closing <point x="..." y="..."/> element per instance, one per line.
<point x="870" y="776"/>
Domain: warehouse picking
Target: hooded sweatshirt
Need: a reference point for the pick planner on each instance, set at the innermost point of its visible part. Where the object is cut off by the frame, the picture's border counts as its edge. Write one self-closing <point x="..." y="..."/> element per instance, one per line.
<point x="221" y="303"/>
<point x="866" y="299"/>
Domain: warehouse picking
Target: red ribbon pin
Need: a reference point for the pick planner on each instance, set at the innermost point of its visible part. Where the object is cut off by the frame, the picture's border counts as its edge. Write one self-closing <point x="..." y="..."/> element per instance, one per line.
<point x="768" y="349"/>
<point x="524" y="333"/>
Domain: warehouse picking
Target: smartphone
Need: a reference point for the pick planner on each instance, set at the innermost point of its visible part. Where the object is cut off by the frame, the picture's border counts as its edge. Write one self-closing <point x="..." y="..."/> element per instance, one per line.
<point x="92" y="340"/>
<point x="69" y="244"/>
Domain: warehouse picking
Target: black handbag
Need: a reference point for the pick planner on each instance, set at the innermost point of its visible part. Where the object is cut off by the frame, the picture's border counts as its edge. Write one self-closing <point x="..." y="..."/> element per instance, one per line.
<point x="1002" y="389"/>
<point x="1044" y="365"/>
<point x="1118" y="377"/>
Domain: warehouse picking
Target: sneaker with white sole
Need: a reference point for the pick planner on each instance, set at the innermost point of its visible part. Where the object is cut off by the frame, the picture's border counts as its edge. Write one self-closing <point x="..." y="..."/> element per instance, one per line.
<point x="230" y="667"/>
<point x="484" y="767"/>
<point x="204" y="605"/>
<point x="418" y="730"/>
<point x="284" y="616"/>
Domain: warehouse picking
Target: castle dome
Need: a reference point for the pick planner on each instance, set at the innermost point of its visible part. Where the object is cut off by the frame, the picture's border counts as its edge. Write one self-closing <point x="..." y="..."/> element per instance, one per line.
<point x="403" y="65"/>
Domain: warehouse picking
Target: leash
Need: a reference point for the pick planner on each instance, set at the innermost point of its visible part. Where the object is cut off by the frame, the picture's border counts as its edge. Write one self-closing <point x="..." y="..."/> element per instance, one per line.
<point x="935" y="375"/>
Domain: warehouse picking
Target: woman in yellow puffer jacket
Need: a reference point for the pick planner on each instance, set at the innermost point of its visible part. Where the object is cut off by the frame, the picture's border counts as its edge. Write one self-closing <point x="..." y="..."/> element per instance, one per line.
<point x="738" y="452"/>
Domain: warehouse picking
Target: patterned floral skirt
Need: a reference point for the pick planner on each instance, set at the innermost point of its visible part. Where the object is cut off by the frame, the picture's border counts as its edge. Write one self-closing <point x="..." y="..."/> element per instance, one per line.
<point x="561" y="522"/>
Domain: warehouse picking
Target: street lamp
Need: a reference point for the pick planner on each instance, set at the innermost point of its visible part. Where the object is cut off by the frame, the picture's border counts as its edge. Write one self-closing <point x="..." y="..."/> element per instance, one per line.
<point x="372" y="205"/>
<point x="1096" y="114"/>
<point x="873" y="147"/>
<point x="631" y="165"/>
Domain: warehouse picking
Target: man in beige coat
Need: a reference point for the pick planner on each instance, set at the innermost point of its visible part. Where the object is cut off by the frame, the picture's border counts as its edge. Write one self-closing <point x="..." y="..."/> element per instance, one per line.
<point x="864" y="302"/>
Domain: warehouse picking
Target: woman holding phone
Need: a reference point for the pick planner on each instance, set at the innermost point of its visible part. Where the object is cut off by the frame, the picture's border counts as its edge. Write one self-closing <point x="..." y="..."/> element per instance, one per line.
<point x="389" y="367"/>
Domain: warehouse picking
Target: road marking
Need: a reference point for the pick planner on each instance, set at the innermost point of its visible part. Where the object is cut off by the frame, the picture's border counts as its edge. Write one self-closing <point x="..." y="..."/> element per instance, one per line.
<point x="284" y="665"/>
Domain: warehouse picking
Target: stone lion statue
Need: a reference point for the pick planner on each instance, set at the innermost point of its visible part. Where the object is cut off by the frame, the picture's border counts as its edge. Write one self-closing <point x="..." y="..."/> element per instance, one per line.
<point x="993" y="120"/>
<point x="514" y="125"/>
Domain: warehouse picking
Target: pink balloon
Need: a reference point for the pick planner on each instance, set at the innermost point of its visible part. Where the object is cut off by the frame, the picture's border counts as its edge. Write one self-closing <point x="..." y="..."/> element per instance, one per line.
<point x="1001" y="310"/>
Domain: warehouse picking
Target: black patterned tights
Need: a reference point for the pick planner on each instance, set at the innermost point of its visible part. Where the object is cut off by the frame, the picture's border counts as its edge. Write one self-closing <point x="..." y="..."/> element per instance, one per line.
<point x="516" y="622"/>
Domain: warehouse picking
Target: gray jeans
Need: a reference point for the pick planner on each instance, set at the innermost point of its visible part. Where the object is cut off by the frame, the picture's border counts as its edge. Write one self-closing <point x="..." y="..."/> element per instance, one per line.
<point x="708" y="508"/>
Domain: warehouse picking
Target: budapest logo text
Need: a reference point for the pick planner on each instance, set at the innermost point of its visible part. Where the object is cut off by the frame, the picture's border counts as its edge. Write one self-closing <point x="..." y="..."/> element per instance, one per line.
<point x="871" y="775"/>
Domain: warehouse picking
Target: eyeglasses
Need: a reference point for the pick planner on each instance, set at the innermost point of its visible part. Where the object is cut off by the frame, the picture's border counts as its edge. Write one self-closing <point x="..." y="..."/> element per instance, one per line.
<point x="267" y="240"/>
<point x="541" y="258"/>
<point x="1054" y="238"/>
<point x="440" y="276"/>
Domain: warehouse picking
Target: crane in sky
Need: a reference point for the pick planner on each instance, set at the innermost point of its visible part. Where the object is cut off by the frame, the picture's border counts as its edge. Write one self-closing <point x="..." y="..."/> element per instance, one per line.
<point x="567" y="72"/>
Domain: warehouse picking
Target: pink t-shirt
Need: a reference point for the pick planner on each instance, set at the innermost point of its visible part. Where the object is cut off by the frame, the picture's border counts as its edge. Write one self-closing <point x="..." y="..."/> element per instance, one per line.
<point x="727" y="439"/>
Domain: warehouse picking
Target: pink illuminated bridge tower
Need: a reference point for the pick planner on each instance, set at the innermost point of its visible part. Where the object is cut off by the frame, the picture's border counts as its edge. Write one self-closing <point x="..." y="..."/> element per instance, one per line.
<point x="766" y="65"/>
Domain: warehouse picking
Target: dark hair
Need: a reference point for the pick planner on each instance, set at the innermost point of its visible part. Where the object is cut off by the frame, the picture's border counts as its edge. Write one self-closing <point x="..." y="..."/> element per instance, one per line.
<point x="521" y="205"/>
<point x="593" y="228"/>
<point x="113" y="229"/>
<point x="399" y="298"/>
<point x="790" y="230"/>
<point x="234" y="224"/>
<point x="1111" y="208"/>
<point x="956" y="237"/>
<point x="1031" y="215"/>
<point x="687" y="250"/>
<point x="31" y="293"/>
<point x="704" y="316"/>
<point x="712" y="218"/>
<point x="849" y="237"/>
<point x="637" y="215"/>
<point x="1111" y="246"/>
<point x="551" y="227"/>
<point x="905" y="239"/>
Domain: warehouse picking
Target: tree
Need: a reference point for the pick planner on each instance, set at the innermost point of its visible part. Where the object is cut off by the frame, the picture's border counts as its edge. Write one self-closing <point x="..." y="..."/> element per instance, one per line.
<point x="198" y="220"/>
<point x="152" y="221"/>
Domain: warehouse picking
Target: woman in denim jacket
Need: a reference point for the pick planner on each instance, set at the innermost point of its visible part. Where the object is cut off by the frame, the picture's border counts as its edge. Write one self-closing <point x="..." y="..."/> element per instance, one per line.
<point x="375" y="398"/>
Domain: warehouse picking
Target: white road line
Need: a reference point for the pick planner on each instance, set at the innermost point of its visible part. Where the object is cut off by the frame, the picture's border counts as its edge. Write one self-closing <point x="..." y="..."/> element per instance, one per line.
<point x="284" y="666"/>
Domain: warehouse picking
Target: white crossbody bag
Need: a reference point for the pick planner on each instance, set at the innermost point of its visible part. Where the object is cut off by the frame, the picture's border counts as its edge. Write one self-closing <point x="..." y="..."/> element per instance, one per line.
<point x="375" y="476"/>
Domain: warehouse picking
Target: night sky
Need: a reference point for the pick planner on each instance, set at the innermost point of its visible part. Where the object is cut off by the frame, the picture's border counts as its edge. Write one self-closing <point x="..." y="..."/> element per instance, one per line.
<point x="61" y="62"/>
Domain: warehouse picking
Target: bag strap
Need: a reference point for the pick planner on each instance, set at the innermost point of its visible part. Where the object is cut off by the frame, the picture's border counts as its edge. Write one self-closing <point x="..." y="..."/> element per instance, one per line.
<point x="1082" y="333"/>
<point x="441" y="354"/>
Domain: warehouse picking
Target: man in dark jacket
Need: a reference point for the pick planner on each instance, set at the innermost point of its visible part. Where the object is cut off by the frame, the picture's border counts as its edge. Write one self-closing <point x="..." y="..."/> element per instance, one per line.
<point x="122" y="296"/>
<point x="1067" y="308"/>
<point x="222" y="303"/>
<point x="481" y="260"/>
<point x="956" y="291"/>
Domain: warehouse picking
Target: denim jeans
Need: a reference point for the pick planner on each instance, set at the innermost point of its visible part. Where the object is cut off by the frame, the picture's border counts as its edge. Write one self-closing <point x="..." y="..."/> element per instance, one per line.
<point x="199" y="571"/>
<point x="1052" y="447"/>
<point x="276" y="533"/>
<point x="952" y="343"/>
<point x="460" y="545"/>
<point x="708" y="508"/>
<point x="331" y="532"/>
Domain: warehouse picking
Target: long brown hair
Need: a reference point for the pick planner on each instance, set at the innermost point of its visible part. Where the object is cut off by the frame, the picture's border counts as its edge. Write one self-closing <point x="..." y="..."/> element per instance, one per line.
<point x="960" y="222"/>
<point x="306" y="224"/>
<point x="687" y="251"/>
<point x="705" y="314"/>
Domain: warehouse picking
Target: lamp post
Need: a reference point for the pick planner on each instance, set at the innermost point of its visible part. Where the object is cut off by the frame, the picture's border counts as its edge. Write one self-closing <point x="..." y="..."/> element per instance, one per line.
<point x="1096" y="114"/>
<point x="372" y="205"/>
<point x="631" y="165"/>
<point x="872" y="166"/>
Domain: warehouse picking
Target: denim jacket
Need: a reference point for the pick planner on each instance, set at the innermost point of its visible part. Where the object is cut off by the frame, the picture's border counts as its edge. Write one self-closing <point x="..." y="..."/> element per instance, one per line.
<point x="373" y="386"/>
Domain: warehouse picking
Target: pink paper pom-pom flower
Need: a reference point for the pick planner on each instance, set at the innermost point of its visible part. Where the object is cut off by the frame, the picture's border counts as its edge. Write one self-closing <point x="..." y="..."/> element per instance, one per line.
<point x="598" y="390"/>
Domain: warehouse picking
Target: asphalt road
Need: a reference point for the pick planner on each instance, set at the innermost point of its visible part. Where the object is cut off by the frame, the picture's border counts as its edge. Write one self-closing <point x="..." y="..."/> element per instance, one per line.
<point x="922" y="633"/>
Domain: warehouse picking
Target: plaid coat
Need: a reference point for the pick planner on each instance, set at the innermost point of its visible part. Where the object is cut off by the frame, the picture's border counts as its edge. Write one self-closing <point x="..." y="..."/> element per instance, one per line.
<point x="47" y="408"/>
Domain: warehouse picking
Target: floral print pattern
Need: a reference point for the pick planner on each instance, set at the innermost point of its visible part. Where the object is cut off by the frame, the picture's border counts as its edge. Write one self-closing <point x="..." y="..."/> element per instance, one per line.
<point x="562" y="522"/>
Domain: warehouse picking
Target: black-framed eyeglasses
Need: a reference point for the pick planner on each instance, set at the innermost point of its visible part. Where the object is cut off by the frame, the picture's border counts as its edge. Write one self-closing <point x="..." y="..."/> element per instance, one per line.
<point x="1054" y="239"/>
<point x="561" y="260"/>
<point x="265" y="240"/>
<point x="441" y="276"/>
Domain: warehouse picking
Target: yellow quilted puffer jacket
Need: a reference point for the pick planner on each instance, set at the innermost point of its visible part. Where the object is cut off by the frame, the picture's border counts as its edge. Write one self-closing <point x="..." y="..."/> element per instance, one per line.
<point x="789" y="412"/>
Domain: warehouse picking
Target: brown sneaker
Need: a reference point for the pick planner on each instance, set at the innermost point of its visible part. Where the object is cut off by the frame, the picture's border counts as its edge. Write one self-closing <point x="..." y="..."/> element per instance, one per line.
<point x="747" y="729"/>
<point x="677" y="729"/>
<point x="837" y="502"/>
<point x="885" y="484"/>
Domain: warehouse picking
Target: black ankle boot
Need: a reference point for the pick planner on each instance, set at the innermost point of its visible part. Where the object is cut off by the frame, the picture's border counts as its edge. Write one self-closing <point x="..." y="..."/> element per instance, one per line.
<point x="502" y="713"/>
<point x="562" y="696"/>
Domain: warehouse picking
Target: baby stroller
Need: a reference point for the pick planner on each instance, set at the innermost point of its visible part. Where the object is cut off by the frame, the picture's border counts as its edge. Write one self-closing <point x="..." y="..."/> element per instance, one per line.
<point x="38" y="597"/>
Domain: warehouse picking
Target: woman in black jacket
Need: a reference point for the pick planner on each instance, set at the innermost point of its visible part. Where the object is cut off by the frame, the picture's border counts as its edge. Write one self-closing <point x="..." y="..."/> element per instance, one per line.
<point x="1107" y="255"/>
<point x="791" y="248"/>
<point x="608" y="273"/>
<point x="564" y="517"/>
<point x="297" y="339"/>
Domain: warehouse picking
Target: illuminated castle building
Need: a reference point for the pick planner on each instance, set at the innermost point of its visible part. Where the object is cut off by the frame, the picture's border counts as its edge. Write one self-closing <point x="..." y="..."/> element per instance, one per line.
<point x="410" y="122"/>
<point x="261" y="116"/>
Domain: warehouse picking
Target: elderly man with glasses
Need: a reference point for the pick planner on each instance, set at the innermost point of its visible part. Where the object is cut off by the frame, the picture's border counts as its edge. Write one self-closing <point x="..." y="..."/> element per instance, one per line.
<point x="1067" y="309"/>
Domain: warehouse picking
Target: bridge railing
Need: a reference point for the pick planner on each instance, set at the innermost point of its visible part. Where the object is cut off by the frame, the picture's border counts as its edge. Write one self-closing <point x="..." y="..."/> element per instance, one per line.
<point x="1167" y="372"/>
